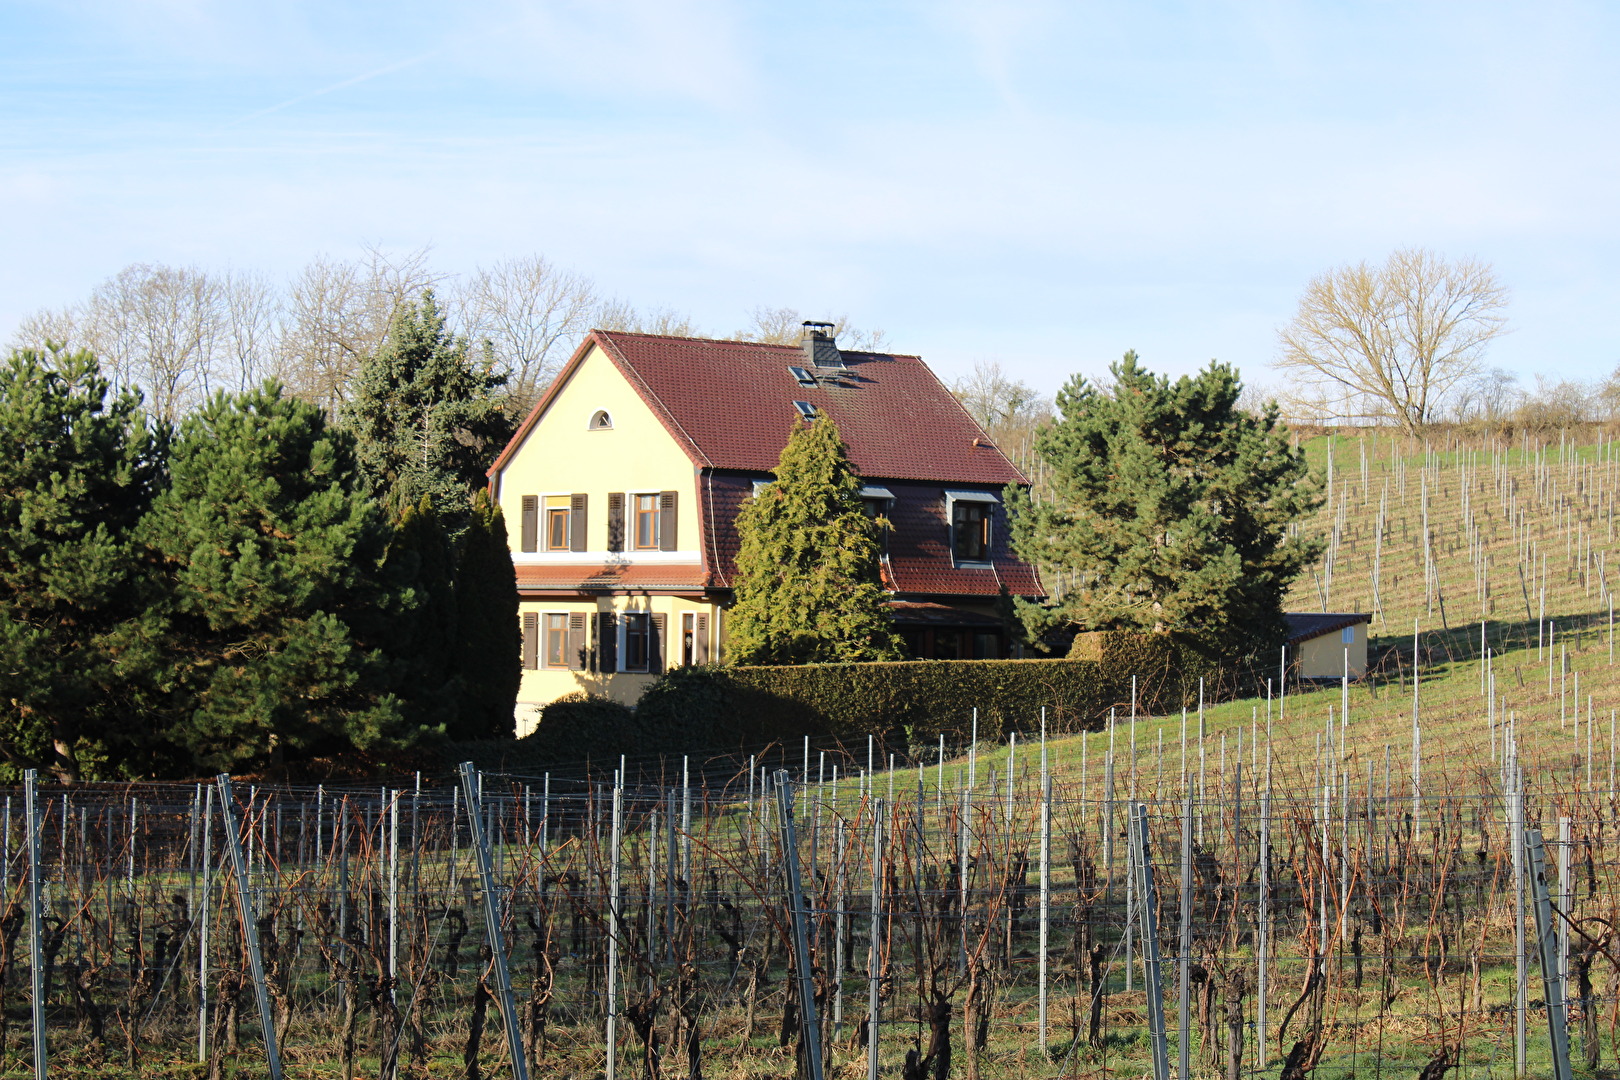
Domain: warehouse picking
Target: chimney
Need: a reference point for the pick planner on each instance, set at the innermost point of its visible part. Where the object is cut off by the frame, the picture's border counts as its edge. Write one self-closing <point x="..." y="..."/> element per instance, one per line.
<point x="820" y="348"/>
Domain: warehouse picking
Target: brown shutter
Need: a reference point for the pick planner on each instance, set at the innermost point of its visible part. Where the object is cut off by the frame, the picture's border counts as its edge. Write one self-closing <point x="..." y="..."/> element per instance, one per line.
<point x="655" y="642"/>
<point x="531" y="640"/>
<point x="615" y="522"/>
<point x="666" y="521"/>
<point x="576" y="523"/>
<point x="700" y="646"/>
<point x="607" y="643"/>
<point x="576" y="641"/>
<point x="531" y="523"/>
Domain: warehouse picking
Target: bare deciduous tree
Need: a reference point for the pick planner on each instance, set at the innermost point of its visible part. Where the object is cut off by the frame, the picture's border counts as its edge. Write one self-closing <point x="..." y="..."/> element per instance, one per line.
<point x="785" y="326"/>
<point x="1390" y="342"/>
<point x="531" y="314"/>
<point x="337" y="315"/>
<point x="620" y="315"/>
<point x="1009" y="410"/>
<point x="1490" y="397"/>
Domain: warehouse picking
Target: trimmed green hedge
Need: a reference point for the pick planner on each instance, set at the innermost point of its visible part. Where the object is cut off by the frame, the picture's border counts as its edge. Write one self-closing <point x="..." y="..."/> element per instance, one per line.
<point x="907" y="701"/>
<point x="1167" y="667"/>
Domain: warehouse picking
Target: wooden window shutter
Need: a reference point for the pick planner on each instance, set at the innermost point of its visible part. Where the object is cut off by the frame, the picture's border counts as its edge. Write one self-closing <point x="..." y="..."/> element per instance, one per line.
<point x="655" y="644"/>
<point x="700" y="646"/>
<point x="666" y="521"/>
<point x="531" y="640"/>
<point x="531" y="523"/>
<point x="615" y="521"/>
<point x="576" y="523"/>
<point x="607" y="643"/>
<point x="577" y="650"/>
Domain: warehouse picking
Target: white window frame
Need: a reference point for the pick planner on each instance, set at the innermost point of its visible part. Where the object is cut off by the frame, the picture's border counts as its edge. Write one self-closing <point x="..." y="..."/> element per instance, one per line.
<point x="630" y="498"/>
<point x="592" y="425"/>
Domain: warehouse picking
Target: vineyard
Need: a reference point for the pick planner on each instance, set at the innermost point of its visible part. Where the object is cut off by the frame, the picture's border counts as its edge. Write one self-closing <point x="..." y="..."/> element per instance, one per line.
<point x="1353" y="879"/>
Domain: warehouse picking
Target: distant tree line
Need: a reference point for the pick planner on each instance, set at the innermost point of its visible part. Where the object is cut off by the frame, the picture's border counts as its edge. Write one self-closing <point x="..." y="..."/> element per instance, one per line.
<point x="255" y="581"/>
<point x="180" y="334"/>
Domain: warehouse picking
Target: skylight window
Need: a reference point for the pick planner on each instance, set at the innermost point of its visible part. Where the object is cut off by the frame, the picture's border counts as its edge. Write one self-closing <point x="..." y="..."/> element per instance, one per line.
<point x="803" y="376"/>
<point x="806" y="410"/>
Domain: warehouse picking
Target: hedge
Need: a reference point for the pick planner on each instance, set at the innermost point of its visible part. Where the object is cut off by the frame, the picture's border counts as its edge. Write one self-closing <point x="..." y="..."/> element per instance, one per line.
<point x="911" y="701"/>
<point x="1167" y="667"/>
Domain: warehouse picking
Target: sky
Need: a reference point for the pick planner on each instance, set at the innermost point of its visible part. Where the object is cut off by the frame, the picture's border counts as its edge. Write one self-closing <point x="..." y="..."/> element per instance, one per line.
<point x="1041" y="184"/>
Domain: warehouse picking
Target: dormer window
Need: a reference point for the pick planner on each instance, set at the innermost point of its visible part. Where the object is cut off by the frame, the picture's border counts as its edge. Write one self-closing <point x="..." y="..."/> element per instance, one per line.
<point x="806" y="410"/>
<point x="601" y="420"/>
<point x="970" y="514"/>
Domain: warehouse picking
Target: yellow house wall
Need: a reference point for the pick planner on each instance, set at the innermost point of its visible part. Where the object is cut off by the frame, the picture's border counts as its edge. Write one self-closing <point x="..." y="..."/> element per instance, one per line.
<point x="1323" y="657"/>
<point x="562" y="456"/>
<point x="542" y="685"/>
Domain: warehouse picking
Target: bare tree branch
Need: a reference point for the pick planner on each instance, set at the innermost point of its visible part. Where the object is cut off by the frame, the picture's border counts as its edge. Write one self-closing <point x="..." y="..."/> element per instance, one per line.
<point x="1392" y="341"/>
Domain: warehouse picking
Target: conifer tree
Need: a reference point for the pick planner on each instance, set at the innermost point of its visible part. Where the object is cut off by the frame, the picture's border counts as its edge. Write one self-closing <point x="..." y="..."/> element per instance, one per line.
<point x="80" y="467"/>
<point x="1169" y="509"/>
<point x="809" y="588"/>
<point x="274" y="553"/>
<point x="489" y="646"/>
<point x="426" y="417"/>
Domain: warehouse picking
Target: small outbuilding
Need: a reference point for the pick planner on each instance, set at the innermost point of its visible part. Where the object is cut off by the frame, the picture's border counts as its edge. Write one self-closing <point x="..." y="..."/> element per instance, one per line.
<point x="1319" y="645"/>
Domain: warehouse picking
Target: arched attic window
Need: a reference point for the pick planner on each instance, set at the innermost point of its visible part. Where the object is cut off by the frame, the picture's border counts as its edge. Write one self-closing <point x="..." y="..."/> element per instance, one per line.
<point x="601" y="421"/>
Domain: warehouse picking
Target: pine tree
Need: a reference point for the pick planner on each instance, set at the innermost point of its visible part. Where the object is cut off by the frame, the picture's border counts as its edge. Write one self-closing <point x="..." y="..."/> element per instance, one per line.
<point x="809" y="589"/>
<point x="274" y="555"/>
<point x="426" y="417"/>
<point x="489" y="646"/>
<point x="81" y="466"/>
<point x="1169" y="510"/>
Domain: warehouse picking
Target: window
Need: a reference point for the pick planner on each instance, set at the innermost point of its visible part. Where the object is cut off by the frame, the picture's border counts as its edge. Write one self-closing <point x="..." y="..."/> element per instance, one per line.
<point x="556" y="528"/>
<point x="879" y="508"/>
<point x="556" y="640"/>
<point x="689" y="639"/>
<point x="802" y="376"/>
<point x="1348" y="635"/>
<point x="601" y="421"/>
<point x="806" y="410"/>
<point x="970" y="531"/>
<point x="646" y="524"/>
<point x="637" y="632"/>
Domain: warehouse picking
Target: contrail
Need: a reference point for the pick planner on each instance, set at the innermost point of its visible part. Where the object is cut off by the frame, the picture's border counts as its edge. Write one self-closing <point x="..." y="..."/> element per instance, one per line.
<point x="329" y="89"/>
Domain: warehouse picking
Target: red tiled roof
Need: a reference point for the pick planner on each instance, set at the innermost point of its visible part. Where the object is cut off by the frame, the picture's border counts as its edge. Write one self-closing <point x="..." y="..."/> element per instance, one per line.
<point x="730" y="405"/>
<point x="595" y="577"/>
<point x="919" y="562"/>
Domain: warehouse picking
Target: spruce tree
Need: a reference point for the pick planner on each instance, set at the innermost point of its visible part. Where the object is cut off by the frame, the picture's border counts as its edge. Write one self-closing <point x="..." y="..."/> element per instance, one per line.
<point x="809" y="589"/>
<point x="274" y="555"/>
<point x="426" y="417"/>
<point x="81" y="466"/>
<point x="1169" y="508"/>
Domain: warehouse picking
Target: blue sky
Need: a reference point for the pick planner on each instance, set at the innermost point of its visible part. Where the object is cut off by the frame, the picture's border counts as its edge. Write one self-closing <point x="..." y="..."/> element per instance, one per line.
<point x="1045" y="184"/>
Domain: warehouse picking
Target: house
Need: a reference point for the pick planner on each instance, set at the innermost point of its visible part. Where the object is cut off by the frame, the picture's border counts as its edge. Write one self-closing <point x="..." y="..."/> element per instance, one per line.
<point x="1320" y="645"/>
<point x="622" y="486"/>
